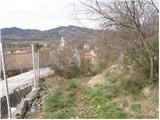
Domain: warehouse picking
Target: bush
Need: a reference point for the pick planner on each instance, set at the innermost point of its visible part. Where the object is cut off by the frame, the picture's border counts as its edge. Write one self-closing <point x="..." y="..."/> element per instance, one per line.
<point x="68" y="72"/>
<point x="109" y="78"/>
<point x="88" y="74"/>
<point x="133" y="87"/>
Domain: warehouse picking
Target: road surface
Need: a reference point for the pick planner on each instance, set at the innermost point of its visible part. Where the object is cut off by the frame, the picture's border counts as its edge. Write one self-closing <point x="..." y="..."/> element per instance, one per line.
<point x="22" y="80"/>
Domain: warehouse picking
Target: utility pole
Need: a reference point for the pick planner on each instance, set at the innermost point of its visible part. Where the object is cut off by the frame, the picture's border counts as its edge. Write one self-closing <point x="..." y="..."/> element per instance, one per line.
<point x="5" y="78"/>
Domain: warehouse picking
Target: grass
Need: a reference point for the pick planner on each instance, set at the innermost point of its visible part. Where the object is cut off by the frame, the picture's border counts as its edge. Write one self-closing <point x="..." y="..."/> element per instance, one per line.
<point x="110" y="112"/>
<point x="61" y="99"/>
<point x="109" y="78"/>
<point x="99" y="98"/>
<point x="136" y="108"/>
<point x="119" y="97"/>
<point x="62" y="114"/>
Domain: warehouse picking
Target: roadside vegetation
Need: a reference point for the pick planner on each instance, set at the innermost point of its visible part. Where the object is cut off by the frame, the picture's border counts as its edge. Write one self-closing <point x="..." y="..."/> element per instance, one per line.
<point x="61" y="99"/>
<point x="122" y="94"/>
<point x="122" y="79"/>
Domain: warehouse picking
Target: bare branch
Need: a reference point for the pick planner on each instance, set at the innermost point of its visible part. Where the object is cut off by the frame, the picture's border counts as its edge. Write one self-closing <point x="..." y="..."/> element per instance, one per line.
<point x="154" y="5"/>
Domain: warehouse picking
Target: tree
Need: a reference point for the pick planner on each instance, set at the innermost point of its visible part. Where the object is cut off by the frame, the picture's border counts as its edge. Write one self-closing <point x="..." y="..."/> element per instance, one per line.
<point x="133" y="15"/>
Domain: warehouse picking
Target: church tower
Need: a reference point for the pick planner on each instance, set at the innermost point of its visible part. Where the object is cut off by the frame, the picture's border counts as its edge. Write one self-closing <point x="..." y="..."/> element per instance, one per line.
<point x="62" y="43"/>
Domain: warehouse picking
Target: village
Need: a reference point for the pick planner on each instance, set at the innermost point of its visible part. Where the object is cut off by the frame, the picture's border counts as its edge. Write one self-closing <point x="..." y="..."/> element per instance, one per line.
<point x="19" y="60"/>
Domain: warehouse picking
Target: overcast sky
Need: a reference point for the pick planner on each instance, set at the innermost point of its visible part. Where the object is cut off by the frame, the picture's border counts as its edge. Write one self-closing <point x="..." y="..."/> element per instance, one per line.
<point x="40" y="14"/>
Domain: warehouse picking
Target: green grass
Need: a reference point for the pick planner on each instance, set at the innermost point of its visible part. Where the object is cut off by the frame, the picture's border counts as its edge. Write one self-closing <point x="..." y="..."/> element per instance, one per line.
<point x="62" y="114"/>
<point x="136" y="108"/>
<point x="113" y="78"/>
<point x="61" y="99"/>
<point x="109" y="78"/>
<point x="120" y="97"/>
<point x="111" y="112"/>
<point x="100" y="99"/>
<point x="133" y="86"/>
<point x="101" y="96"/>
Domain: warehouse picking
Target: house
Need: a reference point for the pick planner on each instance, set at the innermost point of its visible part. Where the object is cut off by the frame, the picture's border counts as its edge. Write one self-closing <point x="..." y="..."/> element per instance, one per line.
<point x="89" y="54"/>
<point x="86" y="46"/>
<point x="17" y="50"/>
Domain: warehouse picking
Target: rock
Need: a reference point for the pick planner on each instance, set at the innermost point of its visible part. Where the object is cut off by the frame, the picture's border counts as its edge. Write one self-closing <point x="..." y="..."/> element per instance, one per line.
<point x="96" y="80"/>
<point x="81" y="98"/>
<point x="33" y="110"/>
<point x="146" y="91"/>
<point x="98" y="106"/>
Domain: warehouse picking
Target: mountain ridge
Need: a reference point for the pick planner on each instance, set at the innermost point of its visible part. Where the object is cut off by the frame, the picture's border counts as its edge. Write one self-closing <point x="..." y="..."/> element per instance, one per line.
<point x="15" y="33"/>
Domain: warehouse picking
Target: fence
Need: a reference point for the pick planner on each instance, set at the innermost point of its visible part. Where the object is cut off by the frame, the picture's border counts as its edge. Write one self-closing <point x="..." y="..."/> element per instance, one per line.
<point x="23" y="63"/>
<point x="19" y="70"/>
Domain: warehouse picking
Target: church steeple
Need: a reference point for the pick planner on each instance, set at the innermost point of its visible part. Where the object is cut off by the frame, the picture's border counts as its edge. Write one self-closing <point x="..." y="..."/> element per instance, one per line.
<point x="62" y="43"/>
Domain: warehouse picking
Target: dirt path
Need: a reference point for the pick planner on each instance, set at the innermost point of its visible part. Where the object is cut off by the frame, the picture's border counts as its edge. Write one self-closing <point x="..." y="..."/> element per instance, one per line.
<point x="80" y="108"/>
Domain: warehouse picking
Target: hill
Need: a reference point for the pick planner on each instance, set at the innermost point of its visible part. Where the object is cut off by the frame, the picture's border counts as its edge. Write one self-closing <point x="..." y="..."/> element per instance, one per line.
<point x="69" y="32"/>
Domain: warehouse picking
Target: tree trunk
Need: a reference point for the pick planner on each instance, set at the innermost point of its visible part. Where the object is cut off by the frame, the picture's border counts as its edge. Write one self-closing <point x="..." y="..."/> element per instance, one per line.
<point x="149" y="52"/>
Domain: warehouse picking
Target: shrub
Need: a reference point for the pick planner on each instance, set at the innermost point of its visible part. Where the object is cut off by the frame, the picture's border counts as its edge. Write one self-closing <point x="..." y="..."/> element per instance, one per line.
<point x="109" y="78"/>
<point x="68" y="72"/>
<point x="133" y="87"/>
<point x="88" y="74"/>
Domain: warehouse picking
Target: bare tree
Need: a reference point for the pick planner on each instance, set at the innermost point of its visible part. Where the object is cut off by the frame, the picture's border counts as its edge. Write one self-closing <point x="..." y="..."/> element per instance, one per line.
<point x="133" y="15"/>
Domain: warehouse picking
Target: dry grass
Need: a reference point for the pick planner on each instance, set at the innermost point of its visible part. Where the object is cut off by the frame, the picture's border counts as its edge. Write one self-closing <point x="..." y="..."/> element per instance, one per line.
<point x="103" y="96"/>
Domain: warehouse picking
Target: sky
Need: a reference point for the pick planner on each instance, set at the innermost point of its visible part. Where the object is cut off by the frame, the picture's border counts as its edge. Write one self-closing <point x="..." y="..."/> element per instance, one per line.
<point x="40" y="14"/>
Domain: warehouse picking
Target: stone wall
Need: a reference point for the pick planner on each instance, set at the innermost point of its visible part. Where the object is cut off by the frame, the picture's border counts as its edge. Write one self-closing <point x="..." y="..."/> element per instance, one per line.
<point x="15" y="98"/>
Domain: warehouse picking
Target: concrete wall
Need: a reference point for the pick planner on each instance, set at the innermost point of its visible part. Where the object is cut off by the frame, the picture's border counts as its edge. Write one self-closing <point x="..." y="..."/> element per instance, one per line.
<point x="15" y="99"/>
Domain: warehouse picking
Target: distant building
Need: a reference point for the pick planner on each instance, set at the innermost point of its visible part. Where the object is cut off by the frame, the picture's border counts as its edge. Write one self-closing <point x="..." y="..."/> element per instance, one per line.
<point x="17" y="50"/>
<point x="88" y="55"/>
<point x="86" y="46"/>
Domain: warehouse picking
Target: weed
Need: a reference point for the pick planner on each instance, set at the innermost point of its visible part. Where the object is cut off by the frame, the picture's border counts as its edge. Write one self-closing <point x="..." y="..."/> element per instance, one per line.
<point x="108" y="111"/>
<point x="99" y="97"/>
<point x="109" y="78"/>
<point x="136" y="108"/>
<point x="132" y="87"/>
<point x="62" y="114"/>
<point x="62" y="98"/>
